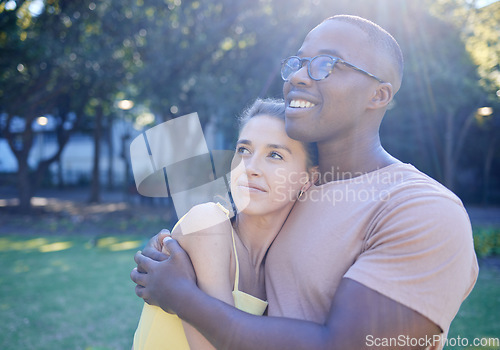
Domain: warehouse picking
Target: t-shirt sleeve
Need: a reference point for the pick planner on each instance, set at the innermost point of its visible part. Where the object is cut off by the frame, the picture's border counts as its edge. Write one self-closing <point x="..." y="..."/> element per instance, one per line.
<point x="420" y="253"/>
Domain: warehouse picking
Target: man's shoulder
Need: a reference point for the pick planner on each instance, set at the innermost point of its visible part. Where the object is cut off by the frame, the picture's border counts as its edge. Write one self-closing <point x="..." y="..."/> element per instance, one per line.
<point x="416" y="203"/>
<point x="408" y="182"/>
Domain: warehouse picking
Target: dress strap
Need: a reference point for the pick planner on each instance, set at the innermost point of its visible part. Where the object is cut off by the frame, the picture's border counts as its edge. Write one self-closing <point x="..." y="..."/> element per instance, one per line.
<point x="221" y="207"/>
<point x="237" y="272"/>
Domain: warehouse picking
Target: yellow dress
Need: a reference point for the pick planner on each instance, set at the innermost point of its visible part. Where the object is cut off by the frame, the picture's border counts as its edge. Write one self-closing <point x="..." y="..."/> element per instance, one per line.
<point x="159" y="330"/>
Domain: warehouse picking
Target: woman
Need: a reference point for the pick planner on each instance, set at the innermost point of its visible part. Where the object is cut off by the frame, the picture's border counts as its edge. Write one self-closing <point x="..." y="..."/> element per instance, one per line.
<point x="270" y="172"/>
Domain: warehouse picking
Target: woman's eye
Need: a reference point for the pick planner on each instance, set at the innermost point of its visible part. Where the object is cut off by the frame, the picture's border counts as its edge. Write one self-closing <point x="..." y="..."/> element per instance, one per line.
<point x="242" y="150"/>
<point x="275" y="155"/>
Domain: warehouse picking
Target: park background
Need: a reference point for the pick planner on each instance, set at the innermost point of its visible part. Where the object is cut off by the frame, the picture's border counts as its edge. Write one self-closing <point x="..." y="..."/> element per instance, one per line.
<point x="80" y="79"/>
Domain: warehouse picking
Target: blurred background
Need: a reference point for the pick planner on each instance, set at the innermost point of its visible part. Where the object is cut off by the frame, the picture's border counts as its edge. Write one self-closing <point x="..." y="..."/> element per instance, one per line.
<point x="79" y="80"/>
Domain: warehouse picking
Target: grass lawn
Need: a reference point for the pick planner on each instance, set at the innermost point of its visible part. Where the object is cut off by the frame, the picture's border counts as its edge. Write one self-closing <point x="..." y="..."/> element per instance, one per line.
<point x="68" y="293"/>
<point x="64" y="293"/>
<point x="479" y="316"/>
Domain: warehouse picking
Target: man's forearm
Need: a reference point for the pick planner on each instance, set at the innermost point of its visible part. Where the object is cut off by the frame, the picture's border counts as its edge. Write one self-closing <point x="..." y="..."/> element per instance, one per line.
<point x="356" y="313"/>
<point x="229" y="328"/>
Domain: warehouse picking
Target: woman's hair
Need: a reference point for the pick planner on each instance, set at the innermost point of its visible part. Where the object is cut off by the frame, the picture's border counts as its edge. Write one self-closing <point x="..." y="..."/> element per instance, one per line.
<point x="276" y="108"/>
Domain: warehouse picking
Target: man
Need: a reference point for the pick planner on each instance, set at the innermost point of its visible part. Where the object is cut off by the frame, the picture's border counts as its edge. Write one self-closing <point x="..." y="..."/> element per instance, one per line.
<point x="377" y="255"/>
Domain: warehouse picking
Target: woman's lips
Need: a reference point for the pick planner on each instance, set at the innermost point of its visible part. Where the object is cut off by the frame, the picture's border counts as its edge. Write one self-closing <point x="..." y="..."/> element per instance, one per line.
<point x="252" y="187"/>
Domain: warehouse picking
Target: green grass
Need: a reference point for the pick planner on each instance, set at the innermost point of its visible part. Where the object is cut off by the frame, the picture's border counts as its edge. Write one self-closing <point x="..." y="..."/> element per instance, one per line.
<point x="479" y="315"/>
<point x="487" y="241"/>
<point x="66" y="293"/>
<point x="63" y="293"/>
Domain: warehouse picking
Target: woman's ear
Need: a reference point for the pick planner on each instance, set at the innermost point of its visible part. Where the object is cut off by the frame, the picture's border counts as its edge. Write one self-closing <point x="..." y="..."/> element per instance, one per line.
<point x="381" y="96"/>
<point x="313" y="175"/>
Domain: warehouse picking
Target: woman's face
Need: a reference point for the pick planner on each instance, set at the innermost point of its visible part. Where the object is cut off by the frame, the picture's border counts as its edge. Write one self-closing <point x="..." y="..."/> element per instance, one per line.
<point x="269" y="168"/>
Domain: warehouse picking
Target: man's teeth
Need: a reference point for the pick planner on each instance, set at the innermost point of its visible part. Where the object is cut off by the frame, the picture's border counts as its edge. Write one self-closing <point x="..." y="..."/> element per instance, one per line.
<point x="301" y="104"/>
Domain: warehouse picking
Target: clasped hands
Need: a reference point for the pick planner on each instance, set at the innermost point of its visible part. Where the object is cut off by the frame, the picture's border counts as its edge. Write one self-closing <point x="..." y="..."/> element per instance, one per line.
<point x="164" y="273"/>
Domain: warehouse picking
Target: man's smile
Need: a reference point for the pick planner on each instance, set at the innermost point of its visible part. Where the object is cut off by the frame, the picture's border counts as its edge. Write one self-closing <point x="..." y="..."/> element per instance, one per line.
<point x="299" y="103"/>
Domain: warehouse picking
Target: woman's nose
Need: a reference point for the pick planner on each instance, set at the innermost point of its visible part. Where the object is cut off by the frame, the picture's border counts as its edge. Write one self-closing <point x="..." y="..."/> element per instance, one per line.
<point x="253" y="166"/>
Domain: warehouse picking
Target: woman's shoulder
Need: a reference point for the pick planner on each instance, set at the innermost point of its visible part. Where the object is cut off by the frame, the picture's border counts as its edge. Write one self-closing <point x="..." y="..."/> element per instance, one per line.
<point x="206" y="219"/>
<point x="209" y="209"/>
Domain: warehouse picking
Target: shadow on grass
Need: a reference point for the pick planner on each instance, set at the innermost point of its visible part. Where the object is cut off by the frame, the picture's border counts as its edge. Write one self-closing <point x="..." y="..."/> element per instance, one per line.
<point x="72" y="292"/>
<point x="67" y="293"/>
<point x="75" y="216"/>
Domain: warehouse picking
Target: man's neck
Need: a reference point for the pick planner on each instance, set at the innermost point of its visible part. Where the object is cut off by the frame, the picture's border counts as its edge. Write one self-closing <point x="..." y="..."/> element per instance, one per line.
<point x="340" y="162"/>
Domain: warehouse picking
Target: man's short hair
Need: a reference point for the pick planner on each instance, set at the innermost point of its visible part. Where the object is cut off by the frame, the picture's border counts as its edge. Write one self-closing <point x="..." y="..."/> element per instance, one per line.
<point x="378" y="36"/>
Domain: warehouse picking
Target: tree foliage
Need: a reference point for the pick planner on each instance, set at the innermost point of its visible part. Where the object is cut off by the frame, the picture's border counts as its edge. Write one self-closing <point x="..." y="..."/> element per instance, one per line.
<point x="76" y="58"/>
<point x="478" y="141"/>
<point x="62" y="62"/>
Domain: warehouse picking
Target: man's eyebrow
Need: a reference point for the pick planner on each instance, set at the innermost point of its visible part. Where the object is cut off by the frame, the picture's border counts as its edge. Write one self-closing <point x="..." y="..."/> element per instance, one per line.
<point x="330" y="52"/>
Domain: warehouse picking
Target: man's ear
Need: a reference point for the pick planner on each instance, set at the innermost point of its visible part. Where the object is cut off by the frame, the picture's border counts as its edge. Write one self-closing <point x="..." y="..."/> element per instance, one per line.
<point x="381" y="96"/>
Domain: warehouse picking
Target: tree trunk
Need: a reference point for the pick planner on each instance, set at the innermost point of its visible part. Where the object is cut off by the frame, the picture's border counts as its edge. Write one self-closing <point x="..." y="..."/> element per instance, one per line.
<point x="449" y="164"/>
<point x="487" y="169"/>
<point x="21" y="144"/>
<point x="28" y="183"/>
<point x="24" y="187"/>
<point x="454" y="145"/>
<point x="124" y="154"/>
<point x="95" y="188"/>
<point x="60" y="177"/>
<point x="111" y="151"/>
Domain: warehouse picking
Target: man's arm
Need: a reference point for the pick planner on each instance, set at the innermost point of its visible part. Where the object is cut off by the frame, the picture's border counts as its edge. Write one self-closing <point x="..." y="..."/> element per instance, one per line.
<point x="359" y="317"/>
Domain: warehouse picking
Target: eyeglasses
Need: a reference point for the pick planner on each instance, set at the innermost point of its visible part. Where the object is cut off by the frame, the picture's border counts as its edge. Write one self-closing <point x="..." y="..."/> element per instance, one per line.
<point x="318" y="67"/>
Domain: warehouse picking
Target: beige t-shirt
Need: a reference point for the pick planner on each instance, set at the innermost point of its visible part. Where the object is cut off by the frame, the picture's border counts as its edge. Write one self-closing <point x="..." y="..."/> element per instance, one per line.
<point x="394" y="230"/>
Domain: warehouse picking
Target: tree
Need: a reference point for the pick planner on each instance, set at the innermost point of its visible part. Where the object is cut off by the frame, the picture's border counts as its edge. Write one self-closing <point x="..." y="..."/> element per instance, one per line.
<point x="54" y="63"/>
<point x="434" y="109"/>
<point x="484" y="45"/>
<point x="478" y="28"/>
<point x="75" y="59"/>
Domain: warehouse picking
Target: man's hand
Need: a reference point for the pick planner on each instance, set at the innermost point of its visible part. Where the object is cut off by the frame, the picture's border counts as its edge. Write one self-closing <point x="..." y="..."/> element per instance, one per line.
<point x="153" y="248"/>
<point x="164" y="283"/>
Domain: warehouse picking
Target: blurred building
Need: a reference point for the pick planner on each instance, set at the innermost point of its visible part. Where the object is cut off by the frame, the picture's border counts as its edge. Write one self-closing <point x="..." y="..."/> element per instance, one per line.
<point x="76" y="162"/>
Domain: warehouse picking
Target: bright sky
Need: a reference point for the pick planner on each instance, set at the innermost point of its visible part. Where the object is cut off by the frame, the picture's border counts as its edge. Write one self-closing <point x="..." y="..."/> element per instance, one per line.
<point x="481" y="3"/>
<point x="36" y="7"/>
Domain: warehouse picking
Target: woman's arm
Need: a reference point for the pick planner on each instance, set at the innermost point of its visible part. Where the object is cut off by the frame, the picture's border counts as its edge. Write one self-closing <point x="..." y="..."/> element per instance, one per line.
<point x="205" y="234"/>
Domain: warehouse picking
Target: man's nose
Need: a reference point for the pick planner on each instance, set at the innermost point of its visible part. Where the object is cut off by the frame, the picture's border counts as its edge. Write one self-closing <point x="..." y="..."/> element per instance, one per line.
<point x="301" y="77"/>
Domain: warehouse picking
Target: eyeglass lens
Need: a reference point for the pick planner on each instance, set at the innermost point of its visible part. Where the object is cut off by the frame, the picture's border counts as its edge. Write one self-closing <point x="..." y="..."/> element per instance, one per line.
<point x="318" y="67"/>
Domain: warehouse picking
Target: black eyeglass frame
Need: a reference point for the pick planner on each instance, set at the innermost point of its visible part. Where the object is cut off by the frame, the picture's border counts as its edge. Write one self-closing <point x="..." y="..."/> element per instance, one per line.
<point x="334" y="59"/>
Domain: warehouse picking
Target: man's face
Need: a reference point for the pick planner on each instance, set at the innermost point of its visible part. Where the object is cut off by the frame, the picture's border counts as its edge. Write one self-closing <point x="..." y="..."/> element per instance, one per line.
<point x="330" y="109"/>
